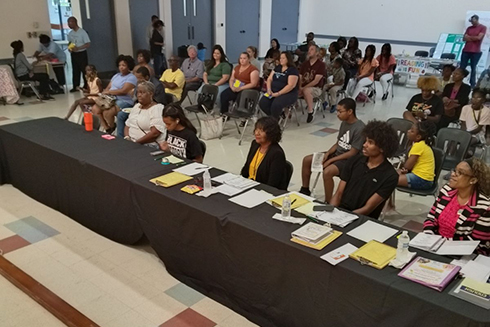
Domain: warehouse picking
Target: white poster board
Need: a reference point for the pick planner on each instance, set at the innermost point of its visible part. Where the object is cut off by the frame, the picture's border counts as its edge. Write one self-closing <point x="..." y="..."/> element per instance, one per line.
<point x="485" y="46"/>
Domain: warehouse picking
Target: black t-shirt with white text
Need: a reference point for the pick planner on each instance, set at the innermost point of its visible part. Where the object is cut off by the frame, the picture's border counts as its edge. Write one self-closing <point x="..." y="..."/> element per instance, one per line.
<point x="434" y="104"/>
<point x="184" y="144"/>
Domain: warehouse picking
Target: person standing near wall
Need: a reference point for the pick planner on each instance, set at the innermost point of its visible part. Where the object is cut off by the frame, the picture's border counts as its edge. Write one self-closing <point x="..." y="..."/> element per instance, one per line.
<point x="79" y="59"/>
<point x="472" y="50"/>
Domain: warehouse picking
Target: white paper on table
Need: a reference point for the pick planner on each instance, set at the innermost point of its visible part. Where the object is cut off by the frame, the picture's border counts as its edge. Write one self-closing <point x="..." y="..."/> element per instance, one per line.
<point x="425" y="241"/>
<point x="336" y="217"/>
<point x="291" y="220"/>
<point x="372" y="231"/>
<point x="462" y="261"/>
<point x="251" y="198"/>
<point x="307" y="209"/>
<point x="241" y="182"/>
<point x="192" y="169"/>
<point x="224" y="177"/>
<point x="476" y="271"/>
<point x="228" y="190"/>
<point x="483" y="260"/>
<point x="339" y="254"/>
<point x="457" y="247"/>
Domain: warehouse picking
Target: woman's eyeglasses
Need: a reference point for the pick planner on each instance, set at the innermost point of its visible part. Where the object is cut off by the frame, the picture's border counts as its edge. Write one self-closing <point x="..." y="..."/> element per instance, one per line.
<point x="459" y="172"/>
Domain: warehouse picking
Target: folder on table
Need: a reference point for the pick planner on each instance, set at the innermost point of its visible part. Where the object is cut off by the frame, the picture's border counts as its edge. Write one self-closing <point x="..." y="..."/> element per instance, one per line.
<point x="170" y="179"/>
<point x="374" y="254"/>
<point x="296" y="201"/>
<point x="320" y="245"/>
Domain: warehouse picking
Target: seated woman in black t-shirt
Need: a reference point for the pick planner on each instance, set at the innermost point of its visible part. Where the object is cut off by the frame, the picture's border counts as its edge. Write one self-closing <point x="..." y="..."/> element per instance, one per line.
<point x="425" y="105"/>
<point x="181" y="138"/>
<point x="455" y="96"/>
<point x="282" y="87"/>
<point x="266" y="161"/>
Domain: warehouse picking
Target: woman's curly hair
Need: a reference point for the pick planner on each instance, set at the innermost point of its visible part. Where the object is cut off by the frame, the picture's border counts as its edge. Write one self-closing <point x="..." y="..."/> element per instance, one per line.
<point x="271" y="128"/>
<point x="428" y="83"/>
<point x="383" y="135"/>
<point x="482" y="173"/>
<point x="127" y="59"/>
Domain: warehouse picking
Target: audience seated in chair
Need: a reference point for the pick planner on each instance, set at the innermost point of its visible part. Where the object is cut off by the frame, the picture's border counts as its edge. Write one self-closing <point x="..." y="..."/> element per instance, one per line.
<point x="303" y="49"/>
<point x="144" y="124"/>
<point x="270" y="63"/>
<point x="462" y="211"/>
<point x="342" y="42"/>
<point x="142" y="74"/>
<point x="445" y="79"/>
<point x="425" y="105"/>
<point x="218" y="71"/>
<point x="173" y="79"/>
<point x="143" y="58"/>
<point x="334" y="53"/>
<point x="51" y="51"/>
<point x="253" y="53"/>
<point x="181" y="138"/>
<point x="23" y="70"/>
<point x="201" y="52"/>
<point x="282" y="87"/>
<point x="351" y="57"/>
<point x="475" y="118"/>
<point x="350" y="140"/>
<point x="454" y="97"/>
<point x="311" y="79"/>
<point x="275" y="47"/>
<point x="95" y="87"/>
<point x="245" y="76"/>
<point x="365" y="73"/>
<point x="337" y="82"/>
<point x="121" y="86"/>
<point x="484" y="82"/>
<point x="384" y="73"/>
<point x="367" y="180"/>
<point x="193" y="70"/>
<point x="266" y="161"/>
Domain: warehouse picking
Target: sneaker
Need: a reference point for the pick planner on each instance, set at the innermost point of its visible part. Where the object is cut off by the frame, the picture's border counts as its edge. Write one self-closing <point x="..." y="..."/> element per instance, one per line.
<point x="325" y="105"/>
<point x="305" y="191"/>
<point x="333" y="109"/>
<point x="73" y="90"/>
<point x="309" y="119"/>
<point x="385" y="96"/>
<point x="47" y="97"/>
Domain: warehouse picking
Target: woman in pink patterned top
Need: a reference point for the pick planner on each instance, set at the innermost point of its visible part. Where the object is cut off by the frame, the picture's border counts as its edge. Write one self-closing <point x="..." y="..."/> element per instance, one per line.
<point x="462" y="209"/>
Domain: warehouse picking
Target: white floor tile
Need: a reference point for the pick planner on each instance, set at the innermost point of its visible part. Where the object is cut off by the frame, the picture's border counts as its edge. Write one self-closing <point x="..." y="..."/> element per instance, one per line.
<point x="160" y="308"/>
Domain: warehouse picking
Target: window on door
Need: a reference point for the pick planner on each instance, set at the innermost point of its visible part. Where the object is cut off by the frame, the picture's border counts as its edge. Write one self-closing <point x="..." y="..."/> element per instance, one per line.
<point x="59" y="12"/>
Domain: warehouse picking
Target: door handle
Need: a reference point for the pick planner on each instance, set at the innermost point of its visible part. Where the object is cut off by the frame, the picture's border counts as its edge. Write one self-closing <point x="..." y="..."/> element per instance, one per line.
<point x="189" y="32"/>
<point x="193" y="32"/>
<point x="284" y="28"/>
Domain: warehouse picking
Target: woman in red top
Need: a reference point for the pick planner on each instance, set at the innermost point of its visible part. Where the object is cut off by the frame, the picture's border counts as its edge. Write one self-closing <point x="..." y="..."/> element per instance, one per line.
<point x="384" y="73"/>
<point x="245" y="76"/>
<point x="462" y="209"/>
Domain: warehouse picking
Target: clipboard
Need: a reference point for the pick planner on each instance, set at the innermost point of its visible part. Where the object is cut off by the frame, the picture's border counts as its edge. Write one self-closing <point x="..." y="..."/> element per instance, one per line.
<point x="374" y="254"/>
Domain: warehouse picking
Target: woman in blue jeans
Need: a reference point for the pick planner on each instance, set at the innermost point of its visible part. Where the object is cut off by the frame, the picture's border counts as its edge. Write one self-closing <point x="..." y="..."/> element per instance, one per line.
<point x="282" y="87"/>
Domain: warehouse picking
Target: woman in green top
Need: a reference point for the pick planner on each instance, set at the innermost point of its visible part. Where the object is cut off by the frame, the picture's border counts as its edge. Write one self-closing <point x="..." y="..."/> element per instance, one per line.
<point x="218" y="71"/>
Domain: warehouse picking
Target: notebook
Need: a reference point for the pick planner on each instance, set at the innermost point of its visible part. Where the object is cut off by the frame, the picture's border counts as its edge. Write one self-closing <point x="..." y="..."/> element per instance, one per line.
<point x="170" y="179"/>
<point x="434" y="274"/>
<point x="322" y="243"/>
<point x="296" y="201"/>
<point x="374" y="254"/>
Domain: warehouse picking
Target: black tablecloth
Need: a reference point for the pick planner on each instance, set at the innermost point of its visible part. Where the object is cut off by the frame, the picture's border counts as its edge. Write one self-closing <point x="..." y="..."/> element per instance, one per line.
<point x="237" y="256"/>
<point x="76" y="172"/>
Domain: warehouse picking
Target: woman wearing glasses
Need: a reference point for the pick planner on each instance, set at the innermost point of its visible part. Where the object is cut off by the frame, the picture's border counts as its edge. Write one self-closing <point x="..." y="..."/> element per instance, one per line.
<point x="462" y="209"/>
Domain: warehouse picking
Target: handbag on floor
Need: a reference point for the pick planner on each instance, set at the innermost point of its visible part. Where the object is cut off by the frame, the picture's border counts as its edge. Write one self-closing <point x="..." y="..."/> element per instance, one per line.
<point x="211" y="127"/>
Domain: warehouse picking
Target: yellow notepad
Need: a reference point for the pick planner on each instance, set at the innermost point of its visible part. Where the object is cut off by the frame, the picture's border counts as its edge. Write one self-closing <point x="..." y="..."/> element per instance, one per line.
<point x="296" y="201"/>
<point x="332" y="237"/>
<point x="374" y="254"/>
<point x="170" y="179"/>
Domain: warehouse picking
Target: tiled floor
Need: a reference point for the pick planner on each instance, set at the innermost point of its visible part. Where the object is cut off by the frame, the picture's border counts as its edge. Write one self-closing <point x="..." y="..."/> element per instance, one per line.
<point x="117" y="285"/>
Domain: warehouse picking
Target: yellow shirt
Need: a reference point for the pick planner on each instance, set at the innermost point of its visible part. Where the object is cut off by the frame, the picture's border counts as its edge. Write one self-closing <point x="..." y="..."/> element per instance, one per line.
<point x="425" y="165"/>
<point x="254" y="164"/>
<point x="176" y="77"/>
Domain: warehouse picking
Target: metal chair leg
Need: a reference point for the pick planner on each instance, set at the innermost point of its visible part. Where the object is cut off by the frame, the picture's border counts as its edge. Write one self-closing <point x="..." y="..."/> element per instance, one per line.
<point x="243" y="131"/>
<point x="200" y="125"/>
<point x="237" y="127"/>
<point x="33" y="88"/>
<point x="295" y="114"/>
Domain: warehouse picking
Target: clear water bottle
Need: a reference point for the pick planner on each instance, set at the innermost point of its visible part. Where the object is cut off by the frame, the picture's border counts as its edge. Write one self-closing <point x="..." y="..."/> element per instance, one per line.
<point x="402" y="247"/>
<point x="286" y="207"/>
<point x="206" y="179"/>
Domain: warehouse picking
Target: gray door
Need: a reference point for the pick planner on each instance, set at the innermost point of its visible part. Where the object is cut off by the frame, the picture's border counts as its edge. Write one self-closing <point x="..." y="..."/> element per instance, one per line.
<point x="192" y="22"/>
<point x="242" y="27"/>
<point x="284" y="22"/>
<point x="101" y="29"/>
<point x="140" y="12"/>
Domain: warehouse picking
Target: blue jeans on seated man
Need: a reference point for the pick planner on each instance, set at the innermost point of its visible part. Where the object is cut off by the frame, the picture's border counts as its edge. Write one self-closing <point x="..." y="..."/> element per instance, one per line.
<point x="122" y="117"/>
<point x="473" y="58"/>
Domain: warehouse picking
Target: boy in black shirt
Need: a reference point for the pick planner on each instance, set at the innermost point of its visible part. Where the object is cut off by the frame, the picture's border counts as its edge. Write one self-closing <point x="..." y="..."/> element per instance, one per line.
<point x="369" y="179"/>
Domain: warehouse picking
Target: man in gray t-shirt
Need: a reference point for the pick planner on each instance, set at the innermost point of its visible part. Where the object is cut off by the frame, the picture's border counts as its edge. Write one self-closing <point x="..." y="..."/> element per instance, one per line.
<point x="349" y="142"/>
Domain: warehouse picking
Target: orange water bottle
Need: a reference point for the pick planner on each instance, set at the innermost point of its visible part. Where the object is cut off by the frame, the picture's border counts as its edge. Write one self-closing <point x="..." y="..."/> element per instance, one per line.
<point x="88" y="121"/>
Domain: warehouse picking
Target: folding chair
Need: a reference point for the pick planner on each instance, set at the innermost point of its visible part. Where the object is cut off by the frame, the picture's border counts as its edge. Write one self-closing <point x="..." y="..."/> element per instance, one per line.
<point x="31" y="84"/>
<point x="244" y="108"/>
<point x="287" y="112"/>
<point x="207" y="100"/>
<point x="455" y="143"/>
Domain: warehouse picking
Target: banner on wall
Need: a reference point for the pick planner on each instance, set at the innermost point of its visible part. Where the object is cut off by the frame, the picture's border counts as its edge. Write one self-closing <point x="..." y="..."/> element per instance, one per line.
<point x="485" y="46"/>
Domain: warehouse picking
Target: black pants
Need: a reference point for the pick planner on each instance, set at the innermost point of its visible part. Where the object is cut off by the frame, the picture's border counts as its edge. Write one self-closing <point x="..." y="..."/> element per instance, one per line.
<point x="43" y="80"/>
<point x="193" y="86"/>
<point x="227" y="96"/>
<point x="79" y="60"/>
<point x="274" y="106"/>
<point x="60" y="74"/>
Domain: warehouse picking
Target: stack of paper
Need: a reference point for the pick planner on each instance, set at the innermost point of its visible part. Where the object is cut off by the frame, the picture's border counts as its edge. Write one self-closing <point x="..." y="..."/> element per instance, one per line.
<point x="439" y="245"/>
<point x="170" y="179"/>
<point x="251" y="198"/>
<point x="241" y="182"/>
<point x="372" y="231"/>
<point x="335" y="217"/>
<point x="312" y="233"/>
<point x="322" y="243"/>
<point x="476" y="271"/>
<point x="374" y="254"/>
<point x="426" y="242"/>
<point x="192" y="169"/>
<point x="430" y="273"/>
<point x="474" y="292"/>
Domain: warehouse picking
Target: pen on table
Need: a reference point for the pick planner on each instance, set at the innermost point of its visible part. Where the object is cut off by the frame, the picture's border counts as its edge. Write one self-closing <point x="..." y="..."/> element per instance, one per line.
<point x="199" y="168"/>
<point x="313" y="219"/>
<point x="159" y="157"/>
<point x="292" y="202"/>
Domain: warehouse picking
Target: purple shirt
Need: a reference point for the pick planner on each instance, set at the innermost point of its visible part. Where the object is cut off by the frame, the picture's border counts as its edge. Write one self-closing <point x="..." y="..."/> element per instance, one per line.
<point x="474" y="46"/>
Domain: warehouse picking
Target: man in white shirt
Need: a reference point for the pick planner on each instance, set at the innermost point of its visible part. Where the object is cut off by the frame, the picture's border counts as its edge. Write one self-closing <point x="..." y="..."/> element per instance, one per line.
<point x="79" y="59"/>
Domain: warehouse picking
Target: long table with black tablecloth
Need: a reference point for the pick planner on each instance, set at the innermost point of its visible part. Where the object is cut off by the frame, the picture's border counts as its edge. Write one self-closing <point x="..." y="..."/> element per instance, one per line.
<point x="245" y="259"/>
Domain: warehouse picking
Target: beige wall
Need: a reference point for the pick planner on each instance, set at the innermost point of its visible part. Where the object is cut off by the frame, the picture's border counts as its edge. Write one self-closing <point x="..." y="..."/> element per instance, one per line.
<point x="18" y="18"/>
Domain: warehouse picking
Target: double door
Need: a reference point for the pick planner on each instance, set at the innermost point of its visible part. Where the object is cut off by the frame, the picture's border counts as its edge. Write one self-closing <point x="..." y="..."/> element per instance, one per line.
<point x="192" y="22"/>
